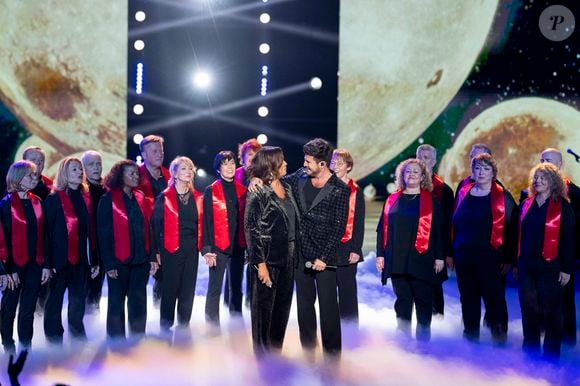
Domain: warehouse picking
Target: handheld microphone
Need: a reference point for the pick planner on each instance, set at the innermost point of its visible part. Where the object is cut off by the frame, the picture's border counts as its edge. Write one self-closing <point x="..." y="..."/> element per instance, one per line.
<point x="570" y="151"/>
<point x="309" y="265"/>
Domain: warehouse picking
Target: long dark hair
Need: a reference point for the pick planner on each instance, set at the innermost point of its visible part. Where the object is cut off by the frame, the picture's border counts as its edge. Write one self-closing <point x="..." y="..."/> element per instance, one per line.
<point x="266" y="164"/>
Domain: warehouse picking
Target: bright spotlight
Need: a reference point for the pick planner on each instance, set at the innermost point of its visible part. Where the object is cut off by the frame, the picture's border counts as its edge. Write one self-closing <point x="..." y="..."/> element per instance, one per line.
<point x="391" y="187"/>
<point x="201" y="173"/>
<point x="201" y="79"/>
<point x="137" y="138"/>
<point x="265" y="18"/>
<point x="316" y="83"/>
<point x="263" y="111"/>
<point x="264" y="48"/>
<point x="262" y="139"/>
<point x="140" y="16"/>
<point x="138" y="109"/>
<point x="139" y="45"/>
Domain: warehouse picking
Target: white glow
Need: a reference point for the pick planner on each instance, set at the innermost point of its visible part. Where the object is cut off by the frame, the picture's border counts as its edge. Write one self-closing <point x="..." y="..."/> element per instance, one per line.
<point x="201" y="79"/>
<point x="262" y="139"/>
<point x="264" y="48"/>
<point x="137" y="138"/>
<point x="316" y="83"/>
<point x="263" y="111"/>
<point x="391" y="187"/>
<point x="265" y="18"/>
<point x="139" y="45"/>
<point x="201" y="173"/>
<point x="138" y="109"/>
<point x="264" y="70"/>
<point x="140" y="16"/>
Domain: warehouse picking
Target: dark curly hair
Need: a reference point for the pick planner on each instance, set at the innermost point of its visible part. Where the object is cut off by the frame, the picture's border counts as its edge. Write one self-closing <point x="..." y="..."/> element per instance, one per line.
<point x="320" y="149"/>
<point x="114" y="180"/>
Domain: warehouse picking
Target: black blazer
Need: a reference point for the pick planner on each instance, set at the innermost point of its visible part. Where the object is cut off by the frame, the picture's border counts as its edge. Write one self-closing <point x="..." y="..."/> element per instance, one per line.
<point x="266" y="227"/>
<point x="57" y="253"/>
<point x="322" y="225"/>
<point x="358" y="232"/>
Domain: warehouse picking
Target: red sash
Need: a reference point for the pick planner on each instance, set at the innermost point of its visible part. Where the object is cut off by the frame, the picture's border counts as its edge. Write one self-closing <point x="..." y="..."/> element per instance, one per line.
<point x="240" y="174"/>
<point x="497" y="211"/>
<point x="171" y="219"/>
<point x="121" y="223"/>
<point x="72" y="226"/>
<point x="425" y="219"/>
<point x="3" y="248"/>
<point x="221" y="228"/>
<point x="19" y="232"/>
<point x="145" y="183"/>
<point x="551" y="230"/>
<point x="351" y="206"/>
<point x="47" y="181"/>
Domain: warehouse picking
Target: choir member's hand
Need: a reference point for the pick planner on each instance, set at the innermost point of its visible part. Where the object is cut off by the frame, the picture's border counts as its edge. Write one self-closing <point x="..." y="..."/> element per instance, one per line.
<point x="319" y="265"/>
<point x="255" y="184"/>
<point x="353" y="258"/>
<point x="515" y="272"/>
<point x="154" y="268"/>
<point x="210" y="259"/>
<point x="46" y="275"/>
<point x="113" y="274"/>
<point x="95" y="271"/>
<point x="450" y="263"/>
<point x="264" y="275"/>
<point x="564" y="278"/>
<point x="15" y="280"/>
<point x="3" y="282"/>
<point x="505" y="268"/>
<point x="380" y="263"/>
<point x="439" y="265"/>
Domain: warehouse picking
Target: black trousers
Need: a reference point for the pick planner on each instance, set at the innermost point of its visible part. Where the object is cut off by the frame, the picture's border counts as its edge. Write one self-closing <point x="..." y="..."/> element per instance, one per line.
<point x="74" y="278"/>
<point x="569" y="309"/>
<point x="412" y="291"/>
<point x="180" y="270"/>
<point x="24" y="298"/>
<point x="347" y="293"/>
<point x="309" y="285"/>
<point x="130" y="286"/>
<point x="271" y="308"/>
<point x="234" y="266"/>
<point x="95" y="288"/>
<point x="541" y="301"/>
<point x="477" y="282"/>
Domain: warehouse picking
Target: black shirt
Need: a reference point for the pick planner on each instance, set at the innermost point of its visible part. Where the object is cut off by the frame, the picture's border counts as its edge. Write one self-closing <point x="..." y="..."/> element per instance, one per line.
<point x="472" y="225"/>
<point x="157" y="185"/>
<point x="310" y="192"/>
<point x="41" y="190"/>
<point x="289" y="207"/>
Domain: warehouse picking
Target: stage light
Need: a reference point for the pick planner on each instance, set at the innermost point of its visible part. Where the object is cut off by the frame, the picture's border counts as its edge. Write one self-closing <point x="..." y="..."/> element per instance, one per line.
<point x="201" y="173"/>
<point x="264" y="48"/>
<point x="263" y="111"/>
<point x="140" y="16"/>
<point x="137" y="138"/>
<point x="391" y="187"/>
<point x="138" y="109"/>
<point x="262" y="139"/>
<point x="316" y="83"/>
<point x="139" y="79"/>
<point x="139" y="45"/>
<point x="201" y="79"/>
<point x="264" y="70"/>
<point x="139" y="160"/>
<point x="265" y="18"/>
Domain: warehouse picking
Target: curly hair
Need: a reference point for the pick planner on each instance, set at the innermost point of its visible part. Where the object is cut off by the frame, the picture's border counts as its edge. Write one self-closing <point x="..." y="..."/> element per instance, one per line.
<point x="555" y="179"/>
<point x="320" y="149"/>
<point x="426" y="183"/>
<point x="266" y="164"/>
<point x="486" y="160"/>
<point x="61" y="179"/>
<point x="114" y="180"/>
<point x="250" y="144"/>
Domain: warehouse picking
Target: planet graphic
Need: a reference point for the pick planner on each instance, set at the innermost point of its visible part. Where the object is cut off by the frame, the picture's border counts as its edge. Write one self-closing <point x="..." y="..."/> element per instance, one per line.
<point x="401" y="62"/>
<point x="63" y="74"/>
<point x="517" y="131"/>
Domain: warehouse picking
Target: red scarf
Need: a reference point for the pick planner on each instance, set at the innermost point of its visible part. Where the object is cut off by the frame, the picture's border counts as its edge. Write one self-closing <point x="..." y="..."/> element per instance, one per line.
<point x="72" y="224"/>
<point x="425" y="219"/>
<point x="221" y="228"/>
<point x="121" y="223"/>
<point x="20" y="233"/>
<point x="171" y="218"/>
<point x="497" y="211"/>
<point x="351" y="206"/>
<point x="145" y="183"/>
<point x="438" y="185"/>
<point x="240" y="174"/>
<point x="551" y="230"/>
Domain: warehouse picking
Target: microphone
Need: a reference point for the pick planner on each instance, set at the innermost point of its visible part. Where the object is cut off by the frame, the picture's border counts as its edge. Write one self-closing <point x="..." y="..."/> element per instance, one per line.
<point x="309" y="265"/>
<point x="570" y="151"/>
